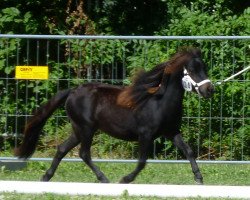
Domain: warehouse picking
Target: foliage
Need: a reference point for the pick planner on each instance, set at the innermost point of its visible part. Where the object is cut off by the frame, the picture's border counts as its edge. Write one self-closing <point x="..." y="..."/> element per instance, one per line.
<point x="123" y="18"/>
<point x="12" y="20"/>
<point x="224" y="135"/>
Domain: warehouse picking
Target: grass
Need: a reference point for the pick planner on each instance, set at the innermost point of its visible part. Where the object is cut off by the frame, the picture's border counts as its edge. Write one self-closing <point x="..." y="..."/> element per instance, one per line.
<point x="15" y="196"/>
<point x="214" y="174"/>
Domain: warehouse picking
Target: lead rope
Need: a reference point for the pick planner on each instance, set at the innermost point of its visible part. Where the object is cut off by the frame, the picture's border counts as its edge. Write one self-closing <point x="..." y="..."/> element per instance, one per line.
<point x="227" y="79"/>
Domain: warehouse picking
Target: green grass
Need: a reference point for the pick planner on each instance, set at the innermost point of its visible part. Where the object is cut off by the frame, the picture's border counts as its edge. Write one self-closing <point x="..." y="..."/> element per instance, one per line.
<point x="214" y="174"/>
<point x="15" y="196"/>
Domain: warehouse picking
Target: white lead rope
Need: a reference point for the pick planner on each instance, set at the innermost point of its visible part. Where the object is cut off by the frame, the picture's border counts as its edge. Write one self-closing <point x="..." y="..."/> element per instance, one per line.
<point x="238" y="73"/>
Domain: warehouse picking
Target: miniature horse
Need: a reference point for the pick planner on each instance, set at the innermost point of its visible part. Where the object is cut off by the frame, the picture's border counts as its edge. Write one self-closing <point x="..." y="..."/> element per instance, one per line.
<point x="149" y="108"/>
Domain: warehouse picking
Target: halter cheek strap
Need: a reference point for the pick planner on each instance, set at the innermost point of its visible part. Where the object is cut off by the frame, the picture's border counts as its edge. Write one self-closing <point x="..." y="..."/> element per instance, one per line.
<point x="188" y="83"/>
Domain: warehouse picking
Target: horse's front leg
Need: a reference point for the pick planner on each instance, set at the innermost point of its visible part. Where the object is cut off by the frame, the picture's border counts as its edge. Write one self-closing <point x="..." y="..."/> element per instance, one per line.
<point x="144" y="144"/>
<point x="185" y="148"/>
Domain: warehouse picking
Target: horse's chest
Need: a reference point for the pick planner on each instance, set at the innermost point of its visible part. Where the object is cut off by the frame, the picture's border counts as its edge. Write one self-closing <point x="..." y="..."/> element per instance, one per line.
<point x="160" y="121"/>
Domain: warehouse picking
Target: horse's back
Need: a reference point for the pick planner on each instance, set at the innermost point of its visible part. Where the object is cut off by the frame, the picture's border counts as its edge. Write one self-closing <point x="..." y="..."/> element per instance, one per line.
<point x="95" y="105"/>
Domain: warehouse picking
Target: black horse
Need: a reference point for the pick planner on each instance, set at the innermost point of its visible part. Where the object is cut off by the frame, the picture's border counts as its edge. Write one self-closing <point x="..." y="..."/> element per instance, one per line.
<point x="149" y="108"/>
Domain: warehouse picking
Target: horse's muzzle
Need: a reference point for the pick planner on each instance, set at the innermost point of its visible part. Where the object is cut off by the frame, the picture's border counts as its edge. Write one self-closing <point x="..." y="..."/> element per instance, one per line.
<point x="207" y="90"/>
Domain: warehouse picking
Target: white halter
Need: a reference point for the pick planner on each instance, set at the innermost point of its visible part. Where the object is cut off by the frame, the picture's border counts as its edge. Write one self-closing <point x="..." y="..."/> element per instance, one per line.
<point x="188" y="82"/>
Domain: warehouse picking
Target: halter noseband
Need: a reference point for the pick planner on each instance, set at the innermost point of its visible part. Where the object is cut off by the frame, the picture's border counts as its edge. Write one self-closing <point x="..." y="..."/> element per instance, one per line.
<point x="188" y="82"/>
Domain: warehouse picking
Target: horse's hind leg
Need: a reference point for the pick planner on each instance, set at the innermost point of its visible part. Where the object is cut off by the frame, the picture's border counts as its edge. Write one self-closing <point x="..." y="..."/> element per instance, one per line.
<point x="178" y="141"/>
<point x="62" y="150"/>
<point x="86" y="156"/>
<point x="86" y="136"/>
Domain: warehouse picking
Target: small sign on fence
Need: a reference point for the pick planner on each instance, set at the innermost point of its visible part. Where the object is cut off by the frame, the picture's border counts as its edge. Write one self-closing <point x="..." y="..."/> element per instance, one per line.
<point x="32" y="72"/>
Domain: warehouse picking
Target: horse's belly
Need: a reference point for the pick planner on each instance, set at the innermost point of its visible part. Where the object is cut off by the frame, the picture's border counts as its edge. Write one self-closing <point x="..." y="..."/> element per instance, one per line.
<point x="118" y="126"/>
<point x="119" y="133"/>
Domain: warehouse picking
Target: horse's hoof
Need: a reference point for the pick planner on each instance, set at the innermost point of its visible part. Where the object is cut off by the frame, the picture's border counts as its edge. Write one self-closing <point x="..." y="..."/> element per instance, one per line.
<point x="124" y="181"/>
<point x="199" y="181"/>
<point x="105" y="181"/>
<point x="44" y="179"/>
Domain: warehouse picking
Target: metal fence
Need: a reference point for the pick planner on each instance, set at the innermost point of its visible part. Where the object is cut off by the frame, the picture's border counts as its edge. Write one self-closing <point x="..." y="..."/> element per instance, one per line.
<point x="216" y="129"/>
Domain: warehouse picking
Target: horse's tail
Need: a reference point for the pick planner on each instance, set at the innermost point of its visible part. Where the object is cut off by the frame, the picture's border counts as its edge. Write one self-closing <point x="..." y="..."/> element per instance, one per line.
<point x="34" y="126"/>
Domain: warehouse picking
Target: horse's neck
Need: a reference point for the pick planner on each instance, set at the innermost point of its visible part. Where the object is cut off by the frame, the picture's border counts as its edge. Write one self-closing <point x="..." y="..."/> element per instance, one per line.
<point x="174" y="92"/>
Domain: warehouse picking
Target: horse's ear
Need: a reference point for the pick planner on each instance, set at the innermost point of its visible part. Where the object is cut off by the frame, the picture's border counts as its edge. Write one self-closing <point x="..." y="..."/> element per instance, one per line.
<point x="197" y="52"/>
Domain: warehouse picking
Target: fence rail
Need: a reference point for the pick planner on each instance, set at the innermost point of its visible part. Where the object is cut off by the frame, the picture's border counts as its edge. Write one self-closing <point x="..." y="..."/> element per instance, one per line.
<point x="112" y="37"/>
<point x="216" y="129"/>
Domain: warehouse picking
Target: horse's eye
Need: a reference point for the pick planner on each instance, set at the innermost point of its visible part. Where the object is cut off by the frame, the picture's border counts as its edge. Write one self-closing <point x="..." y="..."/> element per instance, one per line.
<point x="191" y="71"/>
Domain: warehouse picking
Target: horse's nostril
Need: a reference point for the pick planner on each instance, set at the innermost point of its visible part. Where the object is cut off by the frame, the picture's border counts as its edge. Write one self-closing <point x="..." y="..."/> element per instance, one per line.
<point x="210" y="90"/>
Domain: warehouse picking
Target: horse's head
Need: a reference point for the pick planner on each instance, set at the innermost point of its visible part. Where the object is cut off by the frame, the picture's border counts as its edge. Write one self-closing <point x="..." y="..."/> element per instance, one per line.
<point x="195" y="77"/>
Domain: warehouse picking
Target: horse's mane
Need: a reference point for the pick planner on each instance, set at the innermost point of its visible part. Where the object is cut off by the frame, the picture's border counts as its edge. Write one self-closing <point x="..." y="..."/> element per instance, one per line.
<point x="150" y="83"/>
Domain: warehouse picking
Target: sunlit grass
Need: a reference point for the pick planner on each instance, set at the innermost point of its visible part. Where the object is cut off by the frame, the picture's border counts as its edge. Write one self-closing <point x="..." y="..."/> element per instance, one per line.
<point x="214" y="174"/>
